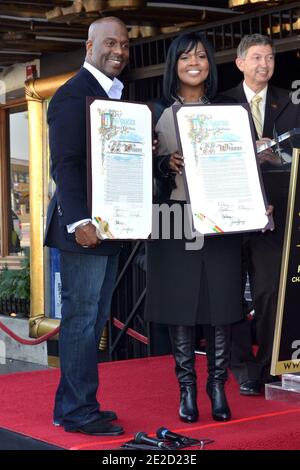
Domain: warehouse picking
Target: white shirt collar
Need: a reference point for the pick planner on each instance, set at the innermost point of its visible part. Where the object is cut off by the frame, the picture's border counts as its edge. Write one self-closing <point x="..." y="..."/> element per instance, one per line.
<point x="112" y="87"/>
<point x="250" y="93"/>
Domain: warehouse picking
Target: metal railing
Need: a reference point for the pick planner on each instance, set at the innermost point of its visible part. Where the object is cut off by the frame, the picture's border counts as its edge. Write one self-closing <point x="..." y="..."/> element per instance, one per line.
<point x="278" y="22"/>
<point x="128" y="305"/>
<point x="14" y="307"/>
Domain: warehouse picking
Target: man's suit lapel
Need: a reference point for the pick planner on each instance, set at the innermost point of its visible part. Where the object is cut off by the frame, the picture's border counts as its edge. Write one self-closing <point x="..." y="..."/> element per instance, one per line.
<point x="274" y="106"/>
<point x="93" y="86"/>
<point x="240" y="94"/>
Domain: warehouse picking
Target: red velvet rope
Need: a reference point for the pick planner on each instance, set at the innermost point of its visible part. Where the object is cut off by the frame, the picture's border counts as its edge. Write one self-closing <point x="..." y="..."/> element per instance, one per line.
<point x="131" y="332"/>
<point x="32" y="342"/>
<point x="29" y="342"/>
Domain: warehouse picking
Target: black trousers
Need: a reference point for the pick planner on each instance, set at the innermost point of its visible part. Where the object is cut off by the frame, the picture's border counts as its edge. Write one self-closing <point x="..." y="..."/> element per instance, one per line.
<point x="262" y="253"/>
<point x="262" y="260"/>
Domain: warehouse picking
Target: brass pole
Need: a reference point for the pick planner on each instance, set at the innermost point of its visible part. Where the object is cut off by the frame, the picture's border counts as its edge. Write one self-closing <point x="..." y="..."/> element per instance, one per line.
<point x="37" y="91"/>
<point x="41" y="325"/>
<point x="36" y="195"/>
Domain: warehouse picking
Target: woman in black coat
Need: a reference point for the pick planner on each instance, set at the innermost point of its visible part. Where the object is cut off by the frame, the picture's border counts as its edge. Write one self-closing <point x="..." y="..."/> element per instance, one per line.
<point x="190" y="287"/>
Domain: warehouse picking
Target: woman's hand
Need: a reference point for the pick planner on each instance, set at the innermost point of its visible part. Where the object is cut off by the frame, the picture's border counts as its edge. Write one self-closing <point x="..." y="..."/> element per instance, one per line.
<point x="154" y="147"/>
<point x="269" y="211"/>
<point x="176" y="163"/>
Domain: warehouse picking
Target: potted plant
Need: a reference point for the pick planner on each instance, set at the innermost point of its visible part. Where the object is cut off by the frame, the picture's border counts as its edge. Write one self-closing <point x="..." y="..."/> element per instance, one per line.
<point x="15" y="289"/>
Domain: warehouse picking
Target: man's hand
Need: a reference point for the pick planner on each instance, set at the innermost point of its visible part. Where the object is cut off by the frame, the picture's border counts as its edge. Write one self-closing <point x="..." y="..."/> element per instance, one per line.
<point x="267" y="155"/>
<point x="85" y="236"/>
<point x="176" y="163"/>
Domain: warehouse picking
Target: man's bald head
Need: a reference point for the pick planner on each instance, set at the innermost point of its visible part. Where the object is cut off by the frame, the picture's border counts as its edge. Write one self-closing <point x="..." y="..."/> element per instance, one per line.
<point x="100" y="23"/>
<point x="107" y="46"/>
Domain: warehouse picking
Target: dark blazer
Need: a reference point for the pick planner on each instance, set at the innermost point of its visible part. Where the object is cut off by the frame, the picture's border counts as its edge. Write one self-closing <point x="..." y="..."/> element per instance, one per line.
<point x="67" y="138"/>
<point x="284" y="115"/>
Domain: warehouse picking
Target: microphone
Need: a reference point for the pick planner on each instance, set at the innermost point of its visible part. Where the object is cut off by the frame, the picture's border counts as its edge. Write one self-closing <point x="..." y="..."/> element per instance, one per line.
<point x="141" y="437"/>
<point x="165" y="433"/>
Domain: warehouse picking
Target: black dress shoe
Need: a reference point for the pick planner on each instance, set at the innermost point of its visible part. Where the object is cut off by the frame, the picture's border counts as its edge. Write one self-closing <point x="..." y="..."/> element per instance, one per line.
<point x="104" y="416"/>
<point x="108" y="415"/>
<point x="98" y="428"/>
<point x="250" y="388"/>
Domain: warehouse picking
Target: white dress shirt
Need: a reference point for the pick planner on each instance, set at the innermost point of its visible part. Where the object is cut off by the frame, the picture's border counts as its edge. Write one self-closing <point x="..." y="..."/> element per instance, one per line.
<point x="114" y="90"/>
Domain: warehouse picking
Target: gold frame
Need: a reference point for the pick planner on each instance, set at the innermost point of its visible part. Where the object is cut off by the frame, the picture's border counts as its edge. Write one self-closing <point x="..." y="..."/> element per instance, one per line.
<point x="4" y="179"/>
<point x="37" y="92"/>
<point x="277" y="367"/>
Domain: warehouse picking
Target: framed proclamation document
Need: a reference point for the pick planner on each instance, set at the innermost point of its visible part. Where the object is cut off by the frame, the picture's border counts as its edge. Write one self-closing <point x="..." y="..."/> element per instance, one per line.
<point x="120" y="168"/>
<point x="222" y="174"/>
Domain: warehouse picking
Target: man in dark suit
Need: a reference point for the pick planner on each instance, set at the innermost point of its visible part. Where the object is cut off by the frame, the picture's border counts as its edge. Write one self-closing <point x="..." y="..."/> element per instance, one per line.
<point x="273" y="113"/>
<point x="88" y="265"/>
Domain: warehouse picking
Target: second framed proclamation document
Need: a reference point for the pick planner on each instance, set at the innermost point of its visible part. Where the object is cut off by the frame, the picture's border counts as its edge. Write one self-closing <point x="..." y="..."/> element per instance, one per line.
<point x="223" y="179"/>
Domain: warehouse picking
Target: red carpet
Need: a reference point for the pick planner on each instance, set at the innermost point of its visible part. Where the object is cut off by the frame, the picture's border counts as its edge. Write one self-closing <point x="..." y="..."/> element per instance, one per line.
<point x="144" y="393"/>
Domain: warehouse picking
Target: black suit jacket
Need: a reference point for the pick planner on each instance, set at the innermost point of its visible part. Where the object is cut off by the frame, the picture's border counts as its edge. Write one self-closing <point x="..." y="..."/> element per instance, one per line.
<point x="67" y="138"/>
<point x="282" y="114"/>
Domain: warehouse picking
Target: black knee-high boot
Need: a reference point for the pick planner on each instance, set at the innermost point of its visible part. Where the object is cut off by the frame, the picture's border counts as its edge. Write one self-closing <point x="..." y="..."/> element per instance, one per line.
<point x="183" y="345"/>
<point x="217" y="351"/>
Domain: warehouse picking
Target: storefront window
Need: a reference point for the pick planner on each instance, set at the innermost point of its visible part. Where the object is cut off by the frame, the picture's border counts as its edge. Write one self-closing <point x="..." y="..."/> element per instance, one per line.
<point x="19" y="182"/>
